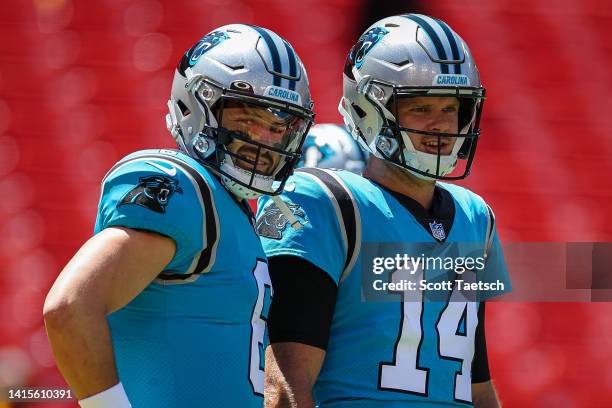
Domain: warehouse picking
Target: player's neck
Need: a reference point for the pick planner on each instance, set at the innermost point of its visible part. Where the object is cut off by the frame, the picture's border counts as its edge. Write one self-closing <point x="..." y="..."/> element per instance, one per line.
<point x="402" y="182"/>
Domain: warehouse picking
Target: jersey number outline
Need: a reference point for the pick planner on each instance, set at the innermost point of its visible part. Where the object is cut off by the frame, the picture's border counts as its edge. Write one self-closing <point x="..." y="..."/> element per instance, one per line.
<point x="404" y="374"/>
<point x="259" y="319"/>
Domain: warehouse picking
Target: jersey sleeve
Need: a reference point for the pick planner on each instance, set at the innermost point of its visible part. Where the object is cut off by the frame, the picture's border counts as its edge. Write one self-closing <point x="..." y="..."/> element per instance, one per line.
<point x="495" y="270"/>
<point x="155" y="195"/>
<point x="319" y="241"/>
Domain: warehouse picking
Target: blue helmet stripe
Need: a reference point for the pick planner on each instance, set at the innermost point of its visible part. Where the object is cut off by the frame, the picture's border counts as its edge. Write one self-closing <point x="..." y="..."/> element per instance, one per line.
<point x="292" y="65"/>
<point x="453" y="44"/>
<point x="433" y="36"/>
<point x="276" y="63"/>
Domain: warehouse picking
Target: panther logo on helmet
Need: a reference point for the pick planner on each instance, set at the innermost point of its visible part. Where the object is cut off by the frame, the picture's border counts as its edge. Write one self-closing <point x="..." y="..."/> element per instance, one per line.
<point x="207" y="42"/>
<point x="365" y="44"/>
<point x="152" y="192"/>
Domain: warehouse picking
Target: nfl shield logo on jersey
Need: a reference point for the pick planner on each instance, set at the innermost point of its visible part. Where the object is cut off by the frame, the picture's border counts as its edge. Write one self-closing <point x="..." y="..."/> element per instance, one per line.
<point x="437" y="230"/>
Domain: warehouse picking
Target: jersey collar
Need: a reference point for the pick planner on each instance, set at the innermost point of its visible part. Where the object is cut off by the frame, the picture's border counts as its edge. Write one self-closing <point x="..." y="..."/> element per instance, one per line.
<point x="438" y="221"/>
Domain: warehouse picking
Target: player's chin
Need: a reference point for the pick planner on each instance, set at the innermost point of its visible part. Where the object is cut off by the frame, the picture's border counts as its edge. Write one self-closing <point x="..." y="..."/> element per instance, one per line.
<point x="268" y="164"/>
<point x="263" y="170"/>
<point x="444" y="150"/>
<point x="263" y="167"/>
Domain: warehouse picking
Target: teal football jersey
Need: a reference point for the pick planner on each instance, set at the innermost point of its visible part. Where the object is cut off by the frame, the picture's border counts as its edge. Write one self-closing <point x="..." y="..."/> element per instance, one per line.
<point x="384" y="353"/>
<point x="195" y="336"/>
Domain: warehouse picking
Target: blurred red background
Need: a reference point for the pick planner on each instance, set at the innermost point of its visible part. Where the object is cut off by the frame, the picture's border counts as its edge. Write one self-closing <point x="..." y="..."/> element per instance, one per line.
<point x="84" y="83"/>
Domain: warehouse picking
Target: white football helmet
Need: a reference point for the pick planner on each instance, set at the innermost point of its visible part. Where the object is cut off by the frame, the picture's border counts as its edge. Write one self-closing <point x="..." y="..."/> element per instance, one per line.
<point x="411" y="56"/>
<point x="332" y="146"/>
<point x="256" y="73"/>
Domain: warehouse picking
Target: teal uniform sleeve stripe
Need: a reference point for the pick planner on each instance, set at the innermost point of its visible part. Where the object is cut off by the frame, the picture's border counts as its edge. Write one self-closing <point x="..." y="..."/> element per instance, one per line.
<point x="208" y="254"/>
<point x="207" y="257"/>
<point x="348" y="212"/>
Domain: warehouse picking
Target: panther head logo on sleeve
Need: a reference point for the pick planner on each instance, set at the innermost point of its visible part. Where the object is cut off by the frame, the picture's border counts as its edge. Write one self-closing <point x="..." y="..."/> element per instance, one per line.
<point x="273" y="222"/>
<point x="152" y="192"/>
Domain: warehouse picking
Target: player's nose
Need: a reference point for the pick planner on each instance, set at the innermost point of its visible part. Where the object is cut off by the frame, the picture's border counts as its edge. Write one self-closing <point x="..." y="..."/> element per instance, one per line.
<point x="438" y="123"/>
<point x="263" y="134"/>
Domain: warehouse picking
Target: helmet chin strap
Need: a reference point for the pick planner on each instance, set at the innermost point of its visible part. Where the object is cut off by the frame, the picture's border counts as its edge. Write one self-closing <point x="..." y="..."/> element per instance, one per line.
<point x="418" y="159"/>
<point x="237" y="190"/>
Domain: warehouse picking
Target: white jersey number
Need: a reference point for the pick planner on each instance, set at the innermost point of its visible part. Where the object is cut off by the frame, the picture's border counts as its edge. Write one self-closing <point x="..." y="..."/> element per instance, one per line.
<point x="258" y="326"/>
<point x="405" y="374"/>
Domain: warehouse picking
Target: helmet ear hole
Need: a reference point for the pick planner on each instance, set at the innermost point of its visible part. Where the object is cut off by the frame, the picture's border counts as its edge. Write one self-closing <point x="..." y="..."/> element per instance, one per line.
<point x="184" y="109"/>
<point x="359" y="111"/>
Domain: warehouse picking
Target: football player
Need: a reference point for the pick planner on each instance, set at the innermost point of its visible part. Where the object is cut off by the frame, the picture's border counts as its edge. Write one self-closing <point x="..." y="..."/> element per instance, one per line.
<point x="412" y="97"/>
<point x="166" y="305"/>
<point x="331" y="146"/>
